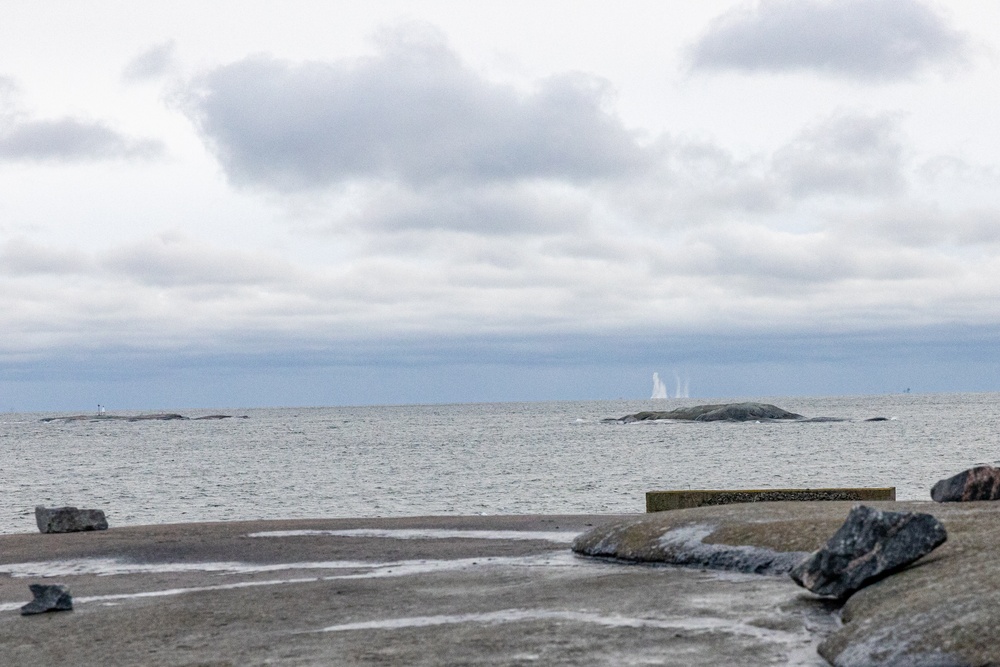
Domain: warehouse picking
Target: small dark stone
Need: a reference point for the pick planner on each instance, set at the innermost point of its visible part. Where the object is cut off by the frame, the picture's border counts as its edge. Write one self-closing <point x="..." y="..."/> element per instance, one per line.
<point x="877" y="419"/>
<point x="870" y="545"/>
<point x="54" y="597"/>
<point x="979" y="483"/>
<point x="69" y="519"/>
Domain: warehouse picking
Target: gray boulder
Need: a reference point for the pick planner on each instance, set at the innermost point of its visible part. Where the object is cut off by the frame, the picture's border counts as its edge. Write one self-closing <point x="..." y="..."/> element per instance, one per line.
<point x="69" y="519"/>
<point x="979" y="483"/>
<point x="54" y="597"/>
<point x="870" y="545"/>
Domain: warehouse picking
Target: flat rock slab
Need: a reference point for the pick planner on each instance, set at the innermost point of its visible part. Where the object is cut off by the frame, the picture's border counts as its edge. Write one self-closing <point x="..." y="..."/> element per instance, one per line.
<point x="69" y="519"/>
<point x="870" y="545"/>
<point x="48" y="597"/>
<point x="979" y="483"/>
<point x="488" y="591"/>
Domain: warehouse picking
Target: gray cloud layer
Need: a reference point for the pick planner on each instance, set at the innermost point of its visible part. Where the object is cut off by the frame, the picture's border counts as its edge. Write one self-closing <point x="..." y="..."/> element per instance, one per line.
<point x="424" y="199"/>
<point x="411" y="113"/>
<point x="864" y="39"/>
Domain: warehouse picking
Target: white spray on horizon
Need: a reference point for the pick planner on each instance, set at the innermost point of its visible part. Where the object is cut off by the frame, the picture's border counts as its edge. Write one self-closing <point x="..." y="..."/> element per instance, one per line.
<point x="659" y="388"/>
<point x="684" y="392"/>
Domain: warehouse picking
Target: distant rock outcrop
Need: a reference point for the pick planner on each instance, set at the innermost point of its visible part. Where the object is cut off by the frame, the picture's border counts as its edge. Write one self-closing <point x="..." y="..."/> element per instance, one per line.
<point x="69" y="519"/>
<point x="736" y="412"/>
<point x="979" y="483"/>
<point x="51" y="597"/>
<point x="156" y="416"/>
<point x="870" y="545"/>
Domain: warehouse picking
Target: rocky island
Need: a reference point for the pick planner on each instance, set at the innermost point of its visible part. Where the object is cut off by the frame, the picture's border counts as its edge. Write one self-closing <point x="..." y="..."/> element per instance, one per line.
<point x="736" y="412"/>
<point x="158" y="416"/>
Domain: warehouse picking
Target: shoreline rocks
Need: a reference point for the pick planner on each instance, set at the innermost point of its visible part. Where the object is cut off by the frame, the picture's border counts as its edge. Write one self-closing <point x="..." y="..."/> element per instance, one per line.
<point x="979" y="483"/>
<point x="69" y="519"/>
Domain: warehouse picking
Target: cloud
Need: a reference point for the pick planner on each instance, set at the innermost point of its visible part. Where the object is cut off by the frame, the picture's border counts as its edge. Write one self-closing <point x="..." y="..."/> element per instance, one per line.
<point x="71" y="140"/>
<point x="172" y="260"/>
<point x="860" y="39"/>
<point x="413" y="113"/>
<point x="848" y="154"/>
<point x="66" y="139"/>
<point x="150" y="64"/>
<point x="21" y="257"/>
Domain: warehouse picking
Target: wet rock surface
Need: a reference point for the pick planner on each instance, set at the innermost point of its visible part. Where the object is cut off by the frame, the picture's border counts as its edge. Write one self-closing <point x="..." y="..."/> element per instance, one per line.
<point x="51" y="597"/>
<point x="870" y="545"/>
<point x="69" y="519"/>
<point x="210" y="594"/>
<point x="681" y="545"/>
<point x="979" y="483"/>
<point x="942" y="610"/>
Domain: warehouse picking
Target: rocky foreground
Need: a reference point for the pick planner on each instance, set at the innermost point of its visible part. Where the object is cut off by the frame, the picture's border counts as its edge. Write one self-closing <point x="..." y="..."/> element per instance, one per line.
<point x="498" y="590"/>
<point x="942" y="611"/>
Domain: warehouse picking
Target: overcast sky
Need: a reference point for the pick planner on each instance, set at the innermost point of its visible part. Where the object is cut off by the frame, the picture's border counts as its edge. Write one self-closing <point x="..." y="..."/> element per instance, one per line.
<point x="322" y="203"/>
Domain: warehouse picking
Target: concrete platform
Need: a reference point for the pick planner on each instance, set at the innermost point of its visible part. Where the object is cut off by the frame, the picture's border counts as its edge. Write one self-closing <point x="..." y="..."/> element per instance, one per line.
<point x="413" y="591"/>
<point x="662" y="501"/>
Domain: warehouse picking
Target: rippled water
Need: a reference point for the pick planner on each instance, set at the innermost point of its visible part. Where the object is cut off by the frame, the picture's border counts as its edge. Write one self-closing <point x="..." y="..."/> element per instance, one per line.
<point x="469" y="459"/>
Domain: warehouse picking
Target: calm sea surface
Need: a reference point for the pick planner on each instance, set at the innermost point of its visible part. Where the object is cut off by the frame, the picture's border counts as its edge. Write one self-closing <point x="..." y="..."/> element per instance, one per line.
<point x="495" y="458"/>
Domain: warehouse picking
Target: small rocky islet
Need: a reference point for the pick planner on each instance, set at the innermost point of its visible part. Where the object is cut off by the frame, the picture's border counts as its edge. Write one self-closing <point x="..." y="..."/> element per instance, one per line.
<point x="157" y="416"/>
<point x="729" y="412"/>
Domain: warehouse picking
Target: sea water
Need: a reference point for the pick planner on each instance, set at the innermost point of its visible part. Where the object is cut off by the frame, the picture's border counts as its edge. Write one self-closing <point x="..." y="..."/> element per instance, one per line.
<point x="498" y="458"/>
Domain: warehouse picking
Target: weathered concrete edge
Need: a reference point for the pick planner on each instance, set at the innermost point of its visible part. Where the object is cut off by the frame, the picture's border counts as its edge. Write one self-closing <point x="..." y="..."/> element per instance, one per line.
<point x="661" y="501"/>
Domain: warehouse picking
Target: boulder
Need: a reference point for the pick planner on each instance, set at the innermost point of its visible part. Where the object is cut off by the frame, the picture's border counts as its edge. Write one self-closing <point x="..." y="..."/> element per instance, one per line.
<point x="870" y="545"/>
<point x="979" y="483"/>
<point x="69" y="519"/>
<point x="53" y="597"/>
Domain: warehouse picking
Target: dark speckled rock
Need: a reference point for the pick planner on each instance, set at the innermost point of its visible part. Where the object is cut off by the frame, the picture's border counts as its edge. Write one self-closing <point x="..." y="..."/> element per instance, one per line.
<point x="979" y="483"/>
<point x="870" y="545"/>
<point x="51" y="597"/>
<point x="69" y="519"/>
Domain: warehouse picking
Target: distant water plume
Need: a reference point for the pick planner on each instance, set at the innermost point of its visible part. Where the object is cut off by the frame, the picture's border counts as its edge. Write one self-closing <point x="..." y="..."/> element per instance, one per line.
<point x="682" y="391"/>
<point x="659" y="388"/>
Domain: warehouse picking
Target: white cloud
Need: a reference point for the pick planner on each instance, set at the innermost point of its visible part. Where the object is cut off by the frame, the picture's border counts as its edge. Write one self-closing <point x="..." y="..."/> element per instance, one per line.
<point x="846" y="154"/>
<point x="413" y="112"/>
<point x="861" y="39"/>
<point x="150" y="64"/>
<point x="65" y="139"/>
